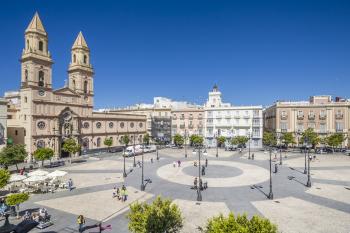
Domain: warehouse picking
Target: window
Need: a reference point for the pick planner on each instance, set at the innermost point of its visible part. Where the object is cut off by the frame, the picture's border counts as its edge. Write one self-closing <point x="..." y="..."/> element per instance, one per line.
<point x="86" y="125"/>
<point x="132" y="125"/>
<point x="311" y="125"/>
<point x="323" y="128"/>
<point x="41" y="78"/>
<point x="98" y="142"/>
<point x="300" y="127"/>
<point x="85" y="59"/>
<point x="26" y="75"/>
<point x="25" y="99"/>
<point x="98" y="125"/>
<point x="284" y="126"/>
<point x="74" y="58"/>
<point x="27" y="44"/>
<point x="41" y="46"/>
<point x="140" y="125"/>
<point x="85" y="87"/>
<point x="121" y="124"/>
<point x="339" y="126"/>
<point x="16" y="132"/>
<point x="111" y="124"/>
<point x="73" y="84"/>
<point x="40" y="144"/>
<point x="41" y="125"/>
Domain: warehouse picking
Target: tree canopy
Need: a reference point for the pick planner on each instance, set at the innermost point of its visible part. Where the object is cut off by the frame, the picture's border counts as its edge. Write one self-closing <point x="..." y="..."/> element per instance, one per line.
<point x="146" y="139"/>
<point x="221" y="140"/>
<point x="108" y="142"/>
<point x="4" y="177"/>
<point x="13" y="154"/>
<point x="335" y="140"/>
<point x="196" y="140"/>
<point x="288" y="138"/>
<point x="311" y="136"/>
<point x="42" y="154"/>
<point x="239" y="140"/>
<point x="71" y="146"/>
<point x="160" y="216"/>
<point x="178" y="140"/>
<point x="269" y="139"/>
<point x="239" y="224"/>
<point x="125" y="140"/>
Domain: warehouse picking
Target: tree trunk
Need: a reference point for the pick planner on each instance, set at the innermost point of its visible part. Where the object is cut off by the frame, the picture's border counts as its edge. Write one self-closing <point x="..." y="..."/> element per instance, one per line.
<point x="16" y="167"/>
<point x="42" y="163"/>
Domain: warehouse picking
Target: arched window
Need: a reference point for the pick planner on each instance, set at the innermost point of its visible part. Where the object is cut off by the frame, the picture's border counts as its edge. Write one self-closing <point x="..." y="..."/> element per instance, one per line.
<point x="27" y="44"/>
<point x="98" y="142"/>
<point x="40" y="144"/>
<point x="74" y="58"/>
<point x="41" y="46"/>
<point x="26" y="75"/>
<point x="41" y="78"/>
<point x="73" y="84"/>
<point x="85" y="86"/>
<point x="85" y="59"/>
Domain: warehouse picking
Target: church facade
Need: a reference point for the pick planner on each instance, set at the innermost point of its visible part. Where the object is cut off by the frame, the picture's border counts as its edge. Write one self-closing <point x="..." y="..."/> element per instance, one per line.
<point x="44" y="117"/>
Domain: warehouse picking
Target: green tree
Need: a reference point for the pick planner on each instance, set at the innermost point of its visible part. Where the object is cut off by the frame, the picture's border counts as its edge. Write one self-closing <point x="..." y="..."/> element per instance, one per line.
<point x="239" y="140"/>
<point x="71" y="146"/>
<point x="178" y="140"/>
<point x="146" y="139"/>
<point x="311" y="136"/>
<point x="108" y="142"/>
<point x="197" y="140"/>
<point x="12" y="155"/>
<point x="4" y="177"/>
<point x="221" y="140"/>
<point x="269" y="139"/>
<point x="42" y="154"/>
<point x="125" y="140"/>
<point x="160" y="216"/>
<point x="288" y="138"/>
<point x="16" y="199"/>
<point x="335" y="140"/>
<point x="239" y="224"/>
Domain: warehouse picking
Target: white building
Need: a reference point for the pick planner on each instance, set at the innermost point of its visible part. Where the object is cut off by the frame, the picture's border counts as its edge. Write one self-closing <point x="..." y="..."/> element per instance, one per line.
<point x="223" y="119"/>
<point x="3" y="122"/>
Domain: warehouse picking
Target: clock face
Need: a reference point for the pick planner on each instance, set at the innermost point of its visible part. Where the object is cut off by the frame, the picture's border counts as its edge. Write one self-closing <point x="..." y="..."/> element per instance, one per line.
<point x="67" y="116"/>
<point x="41" y="92"/>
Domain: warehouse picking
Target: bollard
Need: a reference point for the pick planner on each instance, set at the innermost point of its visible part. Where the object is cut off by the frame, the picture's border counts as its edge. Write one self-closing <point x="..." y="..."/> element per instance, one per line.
<point x="253" y="156"/>
<point x="276" y="168"/>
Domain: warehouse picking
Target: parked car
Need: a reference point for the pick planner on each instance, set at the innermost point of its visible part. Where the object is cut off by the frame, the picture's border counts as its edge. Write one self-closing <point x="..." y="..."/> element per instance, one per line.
<point x="230" y="147"/>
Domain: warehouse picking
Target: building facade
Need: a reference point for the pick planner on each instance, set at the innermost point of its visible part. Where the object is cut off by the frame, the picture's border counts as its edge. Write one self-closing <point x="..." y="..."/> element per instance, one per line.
<point x="223" y="119"/>
<point x="40" y="116"/>
<point x="320" y="113"/>
<point x="3" y="122"/>
<point x="188" y="121"/>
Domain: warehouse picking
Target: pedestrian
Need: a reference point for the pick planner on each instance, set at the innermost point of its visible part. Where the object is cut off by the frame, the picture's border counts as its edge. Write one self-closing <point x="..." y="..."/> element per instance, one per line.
<point x="195" y="163"/>
<point x="118" y="193"/>
<point x="125" y="194"/>
<point x="203" y="170"/>
<point x="253" y="156"/>
<point x="200" y="184"/>
<point x="179" y="163"/>
<point x="81" y="222"/>
<point x="174" y="164"/>
<point x="122" y="193"/>
<point x="206" y="162"/>
<point x="195" y="182"/>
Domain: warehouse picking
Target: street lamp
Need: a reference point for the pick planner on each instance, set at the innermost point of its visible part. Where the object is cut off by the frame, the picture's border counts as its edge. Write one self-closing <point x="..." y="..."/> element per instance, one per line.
<point x="199" y="150"/>
<point x="249" y="135"/>
<point x="157" y="151"/>
<point x="217" y="144"/>
<point x="279" y="136"/>
<point x="306" y="141"/>
<point x="270" y="196"/>
<point x="185" y="143"/>
<point x="124" y="172"/>
<point x="134" y="153"/>
<point x="142" y="179"/>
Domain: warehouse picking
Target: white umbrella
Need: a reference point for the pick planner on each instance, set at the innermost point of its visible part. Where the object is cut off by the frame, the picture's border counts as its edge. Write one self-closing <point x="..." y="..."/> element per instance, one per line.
<point x="16" y="178"/>
<point x="38" y="173"/>
<point x="34" y="179"/>
<point x="57" y="173"/>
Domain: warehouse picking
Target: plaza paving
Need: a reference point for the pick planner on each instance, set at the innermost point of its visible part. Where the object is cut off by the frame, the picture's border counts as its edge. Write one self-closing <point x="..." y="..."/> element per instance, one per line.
<point x="325" y="207"/>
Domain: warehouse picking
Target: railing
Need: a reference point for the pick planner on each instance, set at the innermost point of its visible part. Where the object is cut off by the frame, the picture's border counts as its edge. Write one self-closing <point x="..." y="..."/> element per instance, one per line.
<point x="190" y="126"/>
<point x="246" y="116"/>
<point x="300" y="117"/>
<point x="284" y="117"/>
<point x="311" y="117"/>
<point x="339" y="116"/>
<point x="237" y="117"/>
<point x="182" y="126"/>
<point x="323" y="117"/>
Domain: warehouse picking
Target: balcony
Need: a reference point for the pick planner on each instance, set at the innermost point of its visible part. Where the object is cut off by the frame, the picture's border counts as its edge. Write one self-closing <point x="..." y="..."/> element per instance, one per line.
<point x="284" y="117"/>
<point x="339" y="130"/>
<point x="174" y="118"/>
<point x="219" y="117"/>
<point x="237" y="117"/>
<point x="174" y="126"/>
<point x="311" y="116"/>
<point x="246" y="116"/>
<point x="190" y="126"/>
<point x="300" y="117"/>
<point x="339" y="116"/>
<point x="190" y="118"/>
<point x="182" y="126"/>
<point x="323" y="117"/>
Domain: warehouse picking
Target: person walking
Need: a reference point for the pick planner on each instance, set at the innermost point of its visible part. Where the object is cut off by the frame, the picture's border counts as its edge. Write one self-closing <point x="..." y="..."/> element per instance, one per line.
<point x="203" y="170"/>
<point x="70" y="184"/>
<point x="81" y="222"/>
<point x="206" y="162"/>
<point x="195" y="182"/>
<point x="125" y="194"/>
<point x="118" y="193"/>
<point x="174" y="164"/>
<point x="179" y="163"/>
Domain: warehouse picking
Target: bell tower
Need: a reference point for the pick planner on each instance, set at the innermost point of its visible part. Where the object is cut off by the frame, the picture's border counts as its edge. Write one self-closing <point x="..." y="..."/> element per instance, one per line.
<point x="80" y="69"/>
<point x="36" y="62"/>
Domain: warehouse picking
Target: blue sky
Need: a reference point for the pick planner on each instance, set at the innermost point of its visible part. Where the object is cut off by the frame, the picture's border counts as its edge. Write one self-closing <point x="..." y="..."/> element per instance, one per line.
<point x="256" y="51"/>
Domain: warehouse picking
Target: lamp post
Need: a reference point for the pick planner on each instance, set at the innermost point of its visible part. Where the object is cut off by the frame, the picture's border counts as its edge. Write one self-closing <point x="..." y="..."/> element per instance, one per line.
<point x="306" y="140"/>
<point x="142" y="179"/>
<point x="270" y="196"/>
<point x="134" y="153"/>
<point x="279" y="135"/>
<point x="199" y="148"/>
<point x="185" y="143"/>
<point x="124" y="172"/>
<point x="217" y="144"/>
<point x="308" y="184"/>
<point x="157" y="151"/>
<point x="249" y="135"/>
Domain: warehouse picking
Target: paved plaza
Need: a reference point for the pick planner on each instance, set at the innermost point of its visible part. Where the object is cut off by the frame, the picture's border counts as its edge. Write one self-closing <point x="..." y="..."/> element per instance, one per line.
<point x="235" y="184"/>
